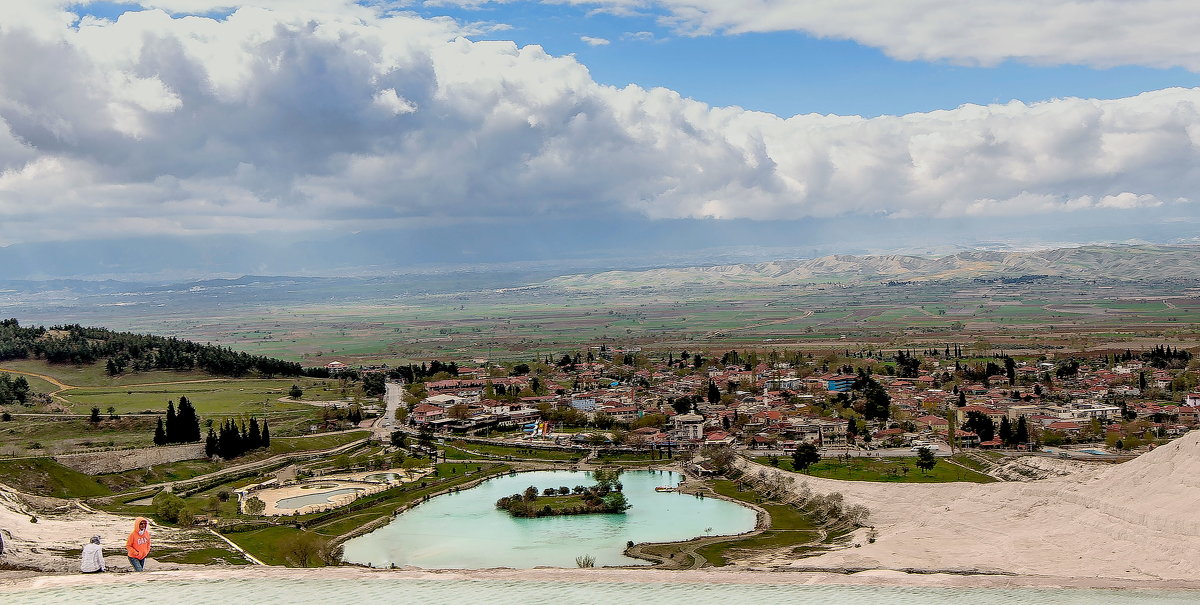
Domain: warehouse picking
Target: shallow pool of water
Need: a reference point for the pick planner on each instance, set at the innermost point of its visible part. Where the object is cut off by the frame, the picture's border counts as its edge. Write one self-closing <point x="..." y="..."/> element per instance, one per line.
<point x="465" y="531"/>
<point x="522" y="592"/>
<point x="318" y="498"/>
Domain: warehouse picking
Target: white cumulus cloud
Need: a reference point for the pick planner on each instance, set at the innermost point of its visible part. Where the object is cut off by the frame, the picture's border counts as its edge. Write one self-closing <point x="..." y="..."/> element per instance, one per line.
<point x="317" y="118"/>
<point x="592" y="41"/>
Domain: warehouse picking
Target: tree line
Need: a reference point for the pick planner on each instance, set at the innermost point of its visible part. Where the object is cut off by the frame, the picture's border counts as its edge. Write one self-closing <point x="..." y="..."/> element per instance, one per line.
<point x="234" y="440"/>
<point x="180" y="427"/>
<point x="126" y="351"/>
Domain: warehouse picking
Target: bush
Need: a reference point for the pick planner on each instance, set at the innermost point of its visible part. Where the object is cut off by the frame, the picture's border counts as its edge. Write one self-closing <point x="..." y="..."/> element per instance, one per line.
<point x="173" y="509"/>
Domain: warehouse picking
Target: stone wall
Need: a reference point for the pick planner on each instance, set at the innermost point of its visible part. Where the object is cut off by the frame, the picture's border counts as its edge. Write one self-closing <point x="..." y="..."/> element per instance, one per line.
<point x="116" y="461"/>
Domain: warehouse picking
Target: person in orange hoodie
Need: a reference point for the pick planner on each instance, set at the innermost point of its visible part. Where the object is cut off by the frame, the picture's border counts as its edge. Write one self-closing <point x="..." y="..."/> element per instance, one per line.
<point x="138" y="544"/>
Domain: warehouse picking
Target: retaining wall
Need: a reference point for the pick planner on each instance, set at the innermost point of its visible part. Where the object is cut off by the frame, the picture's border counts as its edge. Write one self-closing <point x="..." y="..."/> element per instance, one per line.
<point x="116" y="461"/>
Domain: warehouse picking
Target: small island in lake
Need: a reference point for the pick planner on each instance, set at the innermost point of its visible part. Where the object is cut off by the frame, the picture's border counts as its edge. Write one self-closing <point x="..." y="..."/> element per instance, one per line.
<point x="603" y="497"/>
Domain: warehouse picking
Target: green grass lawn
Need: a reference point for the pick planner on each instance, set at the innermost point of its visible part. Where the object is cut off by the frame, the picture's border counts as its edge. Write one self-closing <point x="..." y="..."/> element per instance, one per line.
<point x="888" y="470"/>
<point x="315" y="442"/>
<point x="639" y="457"/>
<point x="226" y="396"/>
<point x="503" y="451"/>
<point x="789" y="526"/>
<point x="45" y="477"/>
<point x="267" y="544"/>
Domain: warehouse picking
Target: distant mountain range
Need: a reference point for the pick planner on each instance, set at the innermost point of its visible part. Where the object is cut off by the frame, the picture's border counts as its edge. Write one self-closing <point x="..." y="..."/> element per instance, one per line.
<point x="1087" y="262"/>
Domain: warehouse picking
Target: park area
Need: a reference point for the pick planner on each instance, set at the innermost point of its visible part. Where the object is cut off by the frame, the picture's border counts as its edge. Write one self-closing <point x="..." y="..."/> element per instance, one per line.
<point x="888" y="470"/>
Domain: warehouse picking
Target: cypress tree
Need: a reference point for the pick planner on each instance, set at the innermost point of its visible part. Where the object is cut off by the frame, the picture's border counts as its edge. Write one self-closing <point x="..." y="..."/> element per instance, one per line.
<point x="254" y="442"/>
<point x="188" y="422"/>
<point x="266" y="434"/>
<point x="172" y="428"/>
<point x="1006" y="432"/>
<point x="211" y="447"/>
<point x="1021" y="435"/>
<point x="160" y="435"/>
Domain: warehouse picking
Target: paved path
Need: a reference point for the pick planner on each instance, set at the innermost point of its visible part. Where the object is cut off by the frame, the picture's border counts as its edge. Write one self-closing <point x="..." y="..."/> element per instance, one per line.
<point x="392" y="398"/>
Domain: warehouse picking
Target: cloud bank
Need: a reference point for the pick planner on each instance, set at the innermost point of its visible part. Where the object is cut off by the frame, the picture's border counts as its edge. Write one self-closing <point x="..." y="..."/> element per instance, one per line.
<point x="307" y="115"/>
<point x="1099" y="33"/>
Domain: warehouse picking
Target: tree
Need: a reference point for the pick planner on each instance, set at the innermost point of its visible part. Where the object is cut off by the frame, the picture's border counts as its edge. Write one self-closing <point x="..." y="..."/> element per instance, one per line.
<point x="95" y="417"/>
<point x="210" y="442"/>
<point x="925" y="460"/>
<point x="266" y="434"/>
<point x="255" y="440"/>
<point x="171" y="428"/>
<point x="615" y="502"/>
<point x="187" y="423"/>
<point x="1006" y="431"/>
<point x="425" y="437"/>
<point x="806" y="455"/>
<point x="1021" y="434"/>
<point x="160" y="435"/>
<point x="981" y="425"/>
<point x="399" y="440"/>
<point x="714" y="393"/>
<point x="682" y="405"/>
<point x="878" y="403"/>
<point x="295" y="392"/>
<point x="255" y="506"/>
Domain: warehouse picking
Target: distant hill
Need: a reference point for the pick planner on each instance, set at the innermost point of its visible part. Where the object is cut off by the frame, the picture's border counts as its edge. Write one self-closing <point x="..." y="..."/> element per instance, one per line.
<point x="1100" y="262"/>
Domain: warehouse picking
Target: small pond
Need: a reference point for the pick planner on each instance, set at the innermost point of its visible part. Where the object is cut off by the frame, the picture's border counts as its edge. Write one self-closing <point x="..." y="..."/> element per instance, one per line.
<point x="465" y="531"/>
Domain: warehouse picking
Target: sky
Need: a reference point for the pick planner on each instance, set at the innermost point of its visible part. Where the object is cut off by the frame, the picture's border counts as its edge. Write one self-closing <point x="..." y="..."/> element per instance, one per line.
<point x="475" y="131"/>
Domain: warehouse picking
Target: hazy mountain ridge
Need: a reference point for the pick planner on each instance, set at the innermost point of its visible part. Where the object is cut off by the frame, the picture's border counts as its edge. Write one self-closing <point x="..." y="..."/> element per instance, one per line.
<point x="1101" y="262"/>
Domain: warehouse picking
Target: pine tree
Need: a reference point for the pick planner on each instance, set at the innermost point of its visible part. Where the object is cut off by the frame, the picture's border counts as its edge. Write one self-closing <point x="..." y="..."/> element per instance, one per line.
<point x="160" y="435"/>
<point x="266" y="434"/>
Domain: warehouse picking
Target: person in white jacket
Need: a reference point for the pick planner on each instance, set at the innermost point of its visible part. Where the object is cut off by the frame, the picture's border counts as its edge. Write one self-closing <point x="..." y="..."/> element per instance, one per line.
<point x="93" y="557"/>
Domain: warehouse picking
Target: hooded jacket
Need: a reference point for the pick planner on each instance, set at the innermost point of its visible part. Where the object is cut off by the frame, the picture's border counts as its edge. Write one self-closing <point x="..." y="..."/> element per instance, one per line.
<point x="138" y="543"/>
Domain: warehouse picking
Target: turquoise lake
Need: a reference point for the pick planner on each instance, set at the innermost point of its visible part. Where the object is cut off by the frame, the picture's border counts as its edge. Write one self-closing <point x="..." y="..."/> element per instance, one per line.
<point x="465" y="531"/>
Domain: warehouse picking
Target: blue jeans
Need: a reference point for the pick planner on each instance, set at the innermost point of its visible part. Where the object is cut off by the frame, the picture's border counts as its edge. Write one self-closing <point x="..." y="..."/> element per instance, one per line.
<point x="137" y="564"/>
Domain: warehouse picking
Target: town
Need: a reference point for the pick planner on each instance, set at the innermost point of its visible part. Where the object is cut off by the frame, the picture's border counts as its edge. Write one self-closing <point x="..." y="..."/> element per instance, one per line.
<point x="1120" y="401"/>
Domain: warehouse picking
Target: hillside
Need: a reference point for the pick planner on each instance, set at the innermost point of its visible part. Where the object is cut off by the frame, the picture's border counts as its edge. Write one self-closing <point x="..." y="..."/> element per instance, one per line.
<point x="1098" y="262"/>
